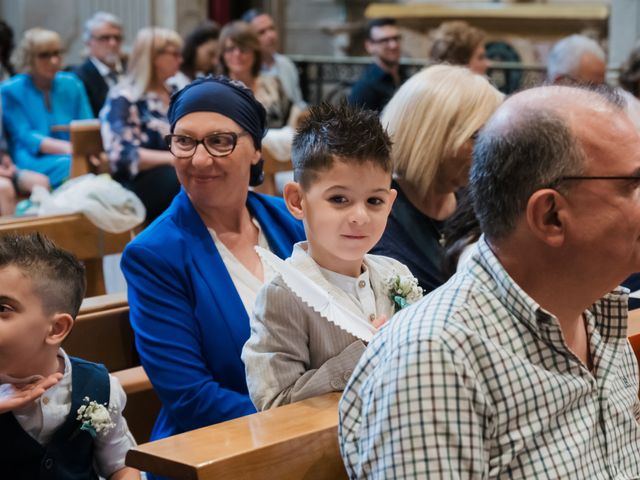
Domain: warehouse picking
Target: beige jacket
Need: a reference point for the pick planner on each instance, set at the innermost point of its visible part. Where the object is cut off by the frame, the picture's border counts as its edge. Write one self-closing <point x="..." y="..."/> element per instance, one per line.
<point x="293" y="353"/>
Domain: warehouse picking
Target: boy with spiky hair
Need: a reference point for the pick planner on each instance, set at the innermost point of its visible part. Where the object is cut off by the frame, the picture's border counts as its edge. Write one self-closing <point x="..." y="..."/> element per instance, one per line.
<point x="342" y="193"/>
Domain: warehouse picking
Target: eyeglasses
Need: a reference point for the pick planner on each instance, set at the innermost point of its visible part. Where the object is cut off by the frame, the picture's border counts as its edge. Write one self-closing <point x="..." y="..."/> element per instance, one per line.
<point x="217" y="144"/>
<point x="386" y="40"/>
<point x="599" y="177"/>
<point x="233" y="48"/>
<point x="48" y="55"/>
<point x="105" y="38"/>
<point x="172" y="52"/>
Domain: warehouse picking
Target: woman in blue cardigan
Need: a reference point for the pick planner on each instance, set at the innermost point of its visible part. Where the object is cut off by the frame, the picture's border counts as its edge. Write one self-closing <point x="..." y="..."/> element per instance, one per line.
<point x="38" y="99"/>
<point x="193" y="274"/>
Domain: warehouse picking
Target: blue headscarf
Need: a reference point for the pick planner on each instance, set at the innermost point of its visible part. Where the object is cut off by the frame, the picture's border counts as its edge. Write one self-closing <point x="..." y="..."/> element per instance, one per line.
<point x="226" y="97"/>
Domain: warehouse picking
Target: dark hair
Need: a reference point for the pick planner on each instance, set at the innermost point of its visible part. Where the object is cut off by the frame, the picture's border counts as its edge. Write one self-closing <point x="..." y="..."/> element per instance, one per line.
<point x="6" y="46"/>
<point x="350" y="134"/>
<point x="57" y="276"/>
<point x="250" y="15"/>
<point x="460" y="230"/>
<point x="455" y="42"/>
<point x="243" y="35"/>
<point x="630" y="72"/>
<point x="532" y="152"/>
<point x="379" y="22"/>
<point x="204" y="32"/>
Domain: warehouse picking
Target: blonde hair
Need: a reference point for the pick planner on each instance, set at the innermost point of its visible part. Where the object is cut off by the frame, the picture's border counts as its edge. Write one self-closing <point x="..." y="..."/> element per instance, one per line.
<point x="149" y="42"/>
<point x="432" y="115"/>
<point x="32" y="40"/>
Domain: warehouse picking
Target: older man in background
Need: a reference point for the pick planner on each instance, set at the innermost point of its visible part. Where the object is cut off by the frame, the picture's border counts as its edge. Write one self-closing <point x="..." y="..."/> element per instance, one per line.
<point x="102" y="69"/>
<point x="274" y="63"/>
<point x="576" y="59"/>
<point x="519" y="366"/>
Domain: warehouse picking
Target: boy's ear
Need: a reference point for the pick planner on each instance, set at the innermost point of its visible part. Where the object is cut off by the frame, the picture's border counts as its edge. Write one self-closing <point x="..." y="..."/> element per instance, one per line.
<point x="292" y="195"/>
<point x="393" y="194"/>
<point x="61" y="325"/>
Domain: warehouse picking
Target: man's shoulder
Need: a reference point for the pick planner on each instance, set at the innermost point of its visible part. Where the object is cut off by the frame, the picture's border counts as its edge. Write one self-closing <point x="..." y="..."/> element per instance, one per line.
<point x="282" y="60"/>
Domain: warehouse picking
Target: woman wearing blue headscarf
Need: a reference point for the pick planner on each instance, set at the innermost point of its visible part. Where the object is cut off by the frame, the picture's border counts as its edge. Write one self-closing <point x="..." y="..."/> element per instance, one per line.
<point x="193" y="274"/>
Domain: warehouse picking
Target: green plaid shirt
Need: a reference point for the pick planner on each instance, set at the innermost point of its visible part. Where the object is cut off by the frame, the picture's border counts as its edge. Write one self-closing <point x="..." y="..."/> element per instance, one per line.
<point x="476" y="381"/>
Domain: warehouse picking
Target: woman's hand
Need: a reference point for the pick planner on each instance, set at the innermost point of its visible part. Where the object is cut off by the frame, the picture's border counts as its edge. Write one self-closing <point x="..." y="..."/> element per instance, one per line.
<point x="15" y="397"/>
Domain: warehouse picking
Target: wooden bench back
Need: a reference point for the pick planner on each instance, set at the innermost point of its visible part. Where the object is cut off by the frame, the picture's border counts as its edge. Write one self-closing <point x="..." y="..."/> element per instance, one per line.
<point x="295" y="441"/>
<point x="102" y="334"/>
<point x="271" y="167"/>
<point x="74" y="232"/>
<point x="86" y="141"/>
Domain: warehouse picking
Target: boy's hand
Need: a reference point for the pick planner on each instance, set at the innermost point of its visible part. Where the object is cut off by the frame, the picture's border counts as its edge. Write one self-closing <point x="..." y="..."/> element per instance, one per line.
<point x="378" y="322"/>
<point x="14" y="397"/>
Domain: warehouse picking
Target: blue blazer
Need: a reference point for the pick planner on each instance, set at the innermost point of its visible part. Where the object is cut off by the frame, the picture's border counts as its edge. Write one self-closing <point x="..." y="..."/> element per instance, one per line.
<point x="189" y="321"/>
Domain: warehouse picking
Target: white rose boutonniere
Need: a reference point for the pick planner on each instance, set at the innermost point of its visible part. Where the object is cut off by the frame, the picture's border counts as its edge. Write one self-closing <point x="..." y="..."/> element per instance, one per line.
<point x="403" y="291"/>
<point x="94" y="417"/>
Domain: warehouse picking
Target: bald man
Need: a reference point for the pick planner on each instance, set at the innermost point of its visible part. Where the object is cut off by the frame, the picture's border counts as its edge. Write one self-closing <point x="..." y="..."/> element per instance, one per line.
<point x="519" y="366"/>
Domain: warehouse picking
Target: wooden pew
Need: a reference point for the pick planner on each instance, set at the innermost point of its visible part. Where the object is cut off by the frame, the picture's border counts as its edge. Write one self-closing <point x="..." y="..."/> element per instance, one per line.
<point x="633" y="332"/>
<point x="296" y="441"/>
<point x="86" y="144"/>
<point x="271" y="167"/>
<point x="74" y="232"/>
<point x="102" y="334"/>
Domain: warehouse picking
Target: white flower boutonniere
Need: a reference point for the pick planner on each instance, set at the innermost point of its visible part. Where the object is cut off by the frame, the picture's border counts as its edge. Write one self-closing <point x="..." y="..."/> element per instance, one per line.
<point x="403" y="291"/>
<point x="94" y="417"/>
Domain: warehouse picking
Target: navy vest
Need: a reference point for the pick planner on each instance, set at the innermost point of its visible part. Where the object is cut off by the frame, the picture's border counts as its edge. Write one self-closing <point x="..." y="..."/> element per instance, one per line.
<point x="69" y="454"/>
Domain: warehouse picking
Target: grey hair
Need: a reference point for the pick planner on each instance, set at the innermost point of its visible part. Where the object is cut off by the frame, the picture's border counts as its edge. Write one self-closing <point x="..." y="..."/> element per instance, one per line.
<point x="564" y="58"/>
<point x="531" y="153"/>
<point x="509" y="166"/>
<point x="99" y="18"/>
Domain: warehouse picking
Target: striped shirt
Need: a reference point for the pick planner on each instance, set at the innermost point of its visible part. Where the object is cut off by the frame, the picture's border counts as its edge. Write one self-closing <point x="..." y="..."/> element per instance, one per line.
<point x="476" y="381"/>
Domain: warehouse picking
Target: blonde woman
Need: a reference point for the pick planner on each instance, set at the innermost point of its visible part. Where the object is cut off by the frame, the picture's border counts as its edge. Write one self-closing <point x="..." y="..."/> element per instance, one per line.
<point x="134" y="120"/>
<point x="432" y="119"/>
<point x="35" y="100"/>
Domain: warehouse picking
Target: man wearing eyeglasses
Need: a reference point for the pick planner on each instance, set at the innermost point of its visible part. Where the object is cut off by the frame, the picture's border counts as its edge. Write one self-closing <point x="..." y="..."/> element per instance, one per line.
<point x="382" y="78"/>
<point x="103" y="67"/>
<point x="519" y="366"/>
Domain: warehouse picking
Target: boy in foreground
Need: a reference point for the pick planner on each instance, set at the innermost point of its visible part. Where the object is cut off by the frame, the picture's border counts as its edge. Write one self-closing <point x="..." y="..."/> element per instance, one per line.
<point x="75" y="429"/>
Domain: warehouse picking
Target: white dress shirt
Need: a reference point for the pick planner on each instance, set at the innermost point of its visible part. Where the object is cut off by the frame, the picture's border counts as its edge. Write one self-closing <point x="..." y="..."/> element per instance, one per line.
<point x="43" y="417"/>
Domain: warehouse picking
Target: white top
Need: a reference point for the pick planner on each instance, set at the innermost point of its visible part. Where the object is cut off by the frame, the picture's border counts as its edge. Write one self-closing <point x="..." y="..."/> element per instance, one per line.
<point x="246" y="283"/>
<point x="105" y="70"/>
<point x="44" y="416"/>
<point x="283" y="68"/>
<point x="359" y="289"/>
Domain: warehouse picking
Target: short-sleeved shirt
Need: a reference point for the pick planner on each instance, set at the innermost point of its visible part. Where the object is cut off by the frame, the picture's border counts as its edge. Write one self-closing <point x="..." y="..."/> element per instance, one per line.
<point x="477" y="382"/>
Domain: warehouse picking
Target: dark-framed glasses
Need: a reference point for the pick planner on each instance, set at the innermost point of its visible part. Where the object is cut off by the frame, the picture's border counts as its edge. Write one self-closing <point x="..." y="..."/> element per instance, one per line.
<point x="106" y="38"/>
<point x="386" y="40"/>
<point x="630" y="178"/>
<point x="218" y="144"/>
<point x="49" y="54"/>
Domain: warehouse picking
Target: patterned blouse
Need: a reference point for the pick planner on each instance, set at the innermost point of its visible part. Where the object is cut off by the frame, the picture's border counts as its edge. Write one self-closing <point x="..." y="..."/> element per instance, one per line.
<point x="127" y="124"/>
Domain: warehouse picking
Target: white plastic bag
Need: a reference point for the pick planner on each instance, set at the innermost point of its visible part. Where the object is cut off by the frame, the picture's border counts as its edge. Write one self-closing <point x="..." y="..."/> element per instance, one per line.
<point x="104" y="201"/>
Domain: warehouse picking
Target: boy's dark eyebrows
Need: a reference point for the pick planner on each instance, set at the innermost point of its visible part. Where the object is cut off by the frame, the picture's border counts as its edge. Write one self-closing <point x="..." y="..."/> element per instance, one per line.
<point x="11" y="300"/>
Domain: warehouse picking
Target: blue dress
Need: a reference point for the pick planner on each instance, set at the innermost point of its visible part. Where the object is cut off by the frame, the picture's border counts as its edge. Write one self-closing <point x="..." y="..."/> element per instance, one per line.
<point x="189" y="321"/>
<point x="27" y="121"/>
